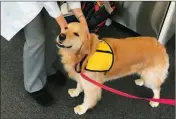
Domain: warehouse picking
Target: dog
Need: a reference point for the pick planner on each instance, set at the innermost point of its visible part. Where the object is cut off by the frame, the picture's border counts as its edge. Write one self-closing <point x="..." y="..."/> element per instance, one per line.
<point x="142" y="55"/>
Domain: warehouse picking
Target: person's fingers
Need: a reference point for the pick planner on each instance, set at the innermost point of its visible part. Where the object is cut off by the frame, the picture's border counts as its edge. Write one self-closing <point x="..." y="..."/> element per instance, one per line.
<point x="62" y="30"/>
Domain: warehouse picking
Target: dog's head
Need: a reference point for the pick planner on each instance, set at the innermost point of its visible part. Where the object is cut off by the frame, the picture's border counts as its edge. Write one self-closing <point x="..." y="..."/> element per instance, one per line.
<point x="75" y="38"/>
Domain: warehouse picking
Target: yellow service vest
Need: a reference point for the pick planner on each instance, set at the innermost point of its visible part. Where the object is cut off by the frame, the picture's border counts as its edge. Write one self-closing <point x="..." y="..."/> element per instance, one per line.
<point x="102" y="60"/>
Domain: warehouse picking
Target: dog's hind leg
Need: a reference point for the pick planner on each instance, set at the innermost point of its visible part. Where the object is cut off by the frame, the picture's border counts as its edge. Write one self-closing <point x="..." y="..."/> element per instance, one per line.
<point x="92" y="94"/>
<point x="74" y="92"/>
<point x="153" y="79"/>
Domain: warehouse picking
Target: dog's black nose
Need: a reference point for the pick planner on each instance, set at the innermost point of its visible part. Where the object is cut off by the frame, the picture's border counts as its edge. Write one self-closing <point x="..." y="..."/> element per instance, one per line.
<point x="62" y="37"/>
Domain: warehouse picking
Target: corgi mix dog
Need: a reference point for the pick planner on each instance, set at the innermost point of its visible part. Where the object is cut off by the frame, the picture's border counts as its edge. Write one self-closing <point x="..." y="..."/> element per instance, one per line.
<point x="108" y="59"/>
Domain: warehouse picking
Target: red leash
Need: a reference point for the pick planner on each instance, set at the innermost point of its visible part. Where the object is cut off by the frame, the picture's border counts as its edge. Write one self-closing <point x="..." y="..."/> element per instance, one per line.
<point x="163" y="101"/>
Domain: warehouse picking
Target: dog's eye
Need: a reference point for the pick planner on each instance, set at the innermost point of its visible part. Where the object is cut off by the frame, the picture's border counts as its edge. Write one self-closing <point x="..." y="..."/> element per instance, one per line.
<point x="76" y="34"/>
<point x="66" y="28"/>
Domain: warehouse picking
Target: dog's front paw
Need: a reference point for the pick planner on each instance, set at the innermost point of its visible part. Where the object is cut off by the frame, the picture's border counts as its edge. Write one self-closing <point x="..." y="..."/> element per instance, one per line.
<point x="154" y="104"/>
<point x="73" y="92"/>
<point x="80" y="109"/>
<point x="139" y="82"/>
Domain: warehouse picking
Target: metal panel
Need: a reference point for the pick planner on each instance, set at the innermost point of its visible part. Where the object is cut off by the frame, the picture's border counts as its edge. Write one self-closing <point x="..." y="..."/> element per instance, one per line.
<point x="145" y="18"/>
<point x="168" y="27"/>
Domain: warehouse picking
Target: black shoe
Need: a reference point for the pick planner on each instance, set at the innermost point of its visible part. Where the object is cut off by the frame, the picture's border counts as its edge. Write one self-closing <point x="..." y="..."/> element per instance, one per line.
<point x="42" y="97"/>
<point x="57" y="78"/>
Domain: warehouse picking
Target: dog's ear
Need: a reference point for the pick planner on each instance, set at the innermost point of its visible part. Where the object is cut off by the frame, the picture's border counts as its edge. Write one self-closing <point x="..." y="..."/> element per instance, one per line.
<point x="83" y="52"/>
<point x="89" y="44"/>
<point x="86" y="51"/>
<point x="86" y="45"/>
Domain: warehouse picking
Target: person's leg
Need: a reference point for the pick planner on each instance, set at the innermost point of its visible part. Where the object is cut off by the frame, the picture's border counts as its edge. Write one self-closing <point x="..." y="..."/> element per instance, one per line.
<point x="52" y="62"/>
<point x="51" y="33"/>
<point x="34" y="61"/>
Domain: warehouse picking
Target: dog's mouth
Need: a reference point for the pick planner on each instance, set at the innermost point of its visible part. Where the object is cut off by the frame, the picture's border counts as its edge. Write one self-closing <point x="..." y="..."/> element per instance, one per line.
<point x="60" y="45"/>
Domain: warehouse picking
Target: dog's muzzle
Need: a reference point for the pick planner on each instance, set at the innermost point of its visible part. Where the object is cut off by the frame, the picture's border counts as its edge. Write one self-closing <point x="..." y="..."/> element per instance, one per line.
<point x="59" y="45"/>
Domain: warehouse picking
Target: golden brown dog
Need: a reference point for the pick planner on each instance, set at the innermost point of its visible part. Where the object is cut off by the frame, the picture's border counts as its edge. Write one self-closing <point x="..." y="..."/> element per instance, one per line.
<point x="142" y="55"/>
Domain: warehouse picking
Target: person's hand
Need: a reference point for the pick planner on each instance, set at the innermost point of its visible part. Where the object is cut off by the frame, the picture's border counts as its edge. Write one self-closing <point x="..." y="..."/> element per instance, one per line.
<point x="63" y="29"/>
<point x="62" y="23"/>
<point x="84" y="22"/>
<point x="80" y="16"/>
<point x="87" y="30"/>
